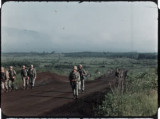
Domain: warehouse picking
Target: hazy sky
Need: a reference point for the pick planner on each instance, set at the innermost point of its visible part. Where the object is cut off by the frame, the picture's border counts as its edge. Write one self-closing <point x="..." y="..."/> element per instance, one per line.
<point x="74" y="27"/>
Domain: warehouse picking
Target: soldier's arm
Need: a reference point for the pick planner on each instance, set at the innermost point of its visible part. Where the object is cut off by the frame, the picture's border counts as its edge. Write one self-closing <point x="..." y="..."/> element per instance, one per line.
<point x="14" y="73"/>
<point x="35" y="73"/>
<point x="7" y="75"/>
<point x="84" y="72"/>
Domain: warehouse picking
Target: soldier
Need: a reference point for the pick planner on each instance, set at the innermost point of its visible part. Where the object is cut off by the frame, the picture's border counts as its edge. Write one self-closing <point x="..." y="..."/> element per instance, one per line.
<point x="4" y="80"/>
<point x="83" y="74"/>
<point x="12" y="77"/>
<point x="117" y="73"/>
<point x="74" y="78"/>
<point x="125" y="74"/>
<point x="24" y="77"/>
<point x="32" y="76"/>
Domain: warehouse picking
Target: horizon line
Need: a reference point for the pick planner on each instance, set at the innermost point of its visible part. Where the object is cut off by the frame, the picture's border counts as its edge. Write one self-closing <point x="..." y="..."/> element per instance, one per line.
<point x="78" y="52"/>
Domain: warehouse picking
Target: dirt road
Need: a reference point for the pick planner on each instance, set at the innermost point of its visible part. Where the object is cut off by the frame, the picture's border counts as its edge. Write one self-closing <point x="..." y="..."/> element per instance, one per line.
<point x="51" y="96"/>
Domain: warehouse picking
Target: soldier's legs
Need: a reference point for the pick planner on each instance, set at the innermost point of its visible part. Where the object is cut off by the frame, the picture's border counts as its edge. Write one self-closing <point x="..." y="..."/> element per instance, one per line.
<point x="10" y="84"/>
<point x="119" y="83"/>
<point x="24" y="82"/>
<point x="2" y="85"/>
<point x="82" y="85"/>
<point x="27" y="82"/>
<point x="33" y="82"/>
<point x="74" y="89"/>
<point x="74" y="92"/>
<point x="6" y="85"/>
<point x="77" y="87"/>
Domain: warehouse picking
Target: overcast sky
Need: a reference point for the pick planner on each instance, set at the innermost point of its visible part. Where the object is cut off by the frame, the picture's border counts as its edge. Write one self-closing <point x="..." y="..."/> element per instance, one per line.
<point x="75" y="27"/>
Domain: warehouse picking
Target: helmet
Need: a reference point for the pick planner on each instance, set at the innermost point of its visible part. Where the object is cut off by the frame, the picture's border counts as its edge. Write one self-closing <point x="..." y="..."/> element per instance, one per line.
<point x="2" y="68"/>
<point x="75" y="67"/>
<point x="80" y="65"/>
<point x="11" y="67"/>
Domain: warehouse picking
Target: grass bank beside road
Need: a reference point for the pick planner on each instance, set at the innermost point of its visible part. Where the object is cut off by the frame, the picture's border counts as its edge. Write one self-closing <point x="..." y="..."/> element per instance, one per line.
<point x="139" y="97"/>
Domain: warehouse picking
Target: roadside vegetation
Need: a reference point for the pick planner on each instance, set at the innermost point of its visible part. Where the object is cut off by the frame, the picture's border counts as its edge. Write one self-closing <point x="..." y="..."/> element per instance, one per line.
<point x="139" y="97"/>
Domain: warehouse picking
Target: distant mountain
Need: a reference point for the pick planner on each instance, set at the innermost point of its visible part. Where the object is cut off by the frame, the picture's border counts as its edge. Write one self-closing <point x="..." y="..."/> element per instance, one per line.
<point x="22" y="40"/>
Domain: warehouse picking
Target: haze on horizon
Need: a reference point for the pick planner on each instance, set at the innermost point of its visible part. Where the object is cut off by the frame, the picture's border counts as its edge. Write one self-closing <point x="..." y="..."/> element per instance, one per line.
<point x="78" y="27"/>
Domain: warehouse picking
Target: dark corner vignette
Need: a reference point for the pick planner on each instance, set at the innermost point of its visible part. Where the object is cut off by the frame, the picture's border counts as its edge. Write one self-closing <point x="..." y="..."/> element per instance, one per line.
<point x="81" y="1"/>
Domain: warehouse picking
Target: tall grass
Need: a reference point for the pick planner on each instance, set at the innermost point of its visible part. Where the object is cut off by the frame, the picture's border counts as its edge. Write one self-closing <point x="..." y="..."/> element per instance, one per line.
<point x="139" y="98"/>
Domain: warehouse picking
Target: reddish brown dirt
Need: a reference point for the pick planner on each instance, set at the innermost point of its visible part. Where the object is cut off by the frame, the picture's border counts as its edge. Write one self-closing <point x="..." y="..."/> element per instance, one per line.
<point x="53" y="96"/>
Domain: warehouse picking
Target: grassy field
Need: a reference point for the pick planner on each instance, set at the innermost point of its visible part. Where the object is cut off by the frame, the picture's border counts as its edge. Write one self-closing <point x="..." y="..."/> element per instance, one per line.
<point x="139" y="98"/>
<point x="140" y="95"/>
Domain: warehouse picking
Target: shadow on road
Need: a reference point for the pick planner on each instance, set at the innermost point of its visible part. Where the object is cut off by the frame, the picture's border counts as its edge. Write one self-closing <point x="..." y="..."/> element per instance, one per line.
<point x="57" y="91"/>
<point x="64" y="97"/>
<point x="51" y="96"/>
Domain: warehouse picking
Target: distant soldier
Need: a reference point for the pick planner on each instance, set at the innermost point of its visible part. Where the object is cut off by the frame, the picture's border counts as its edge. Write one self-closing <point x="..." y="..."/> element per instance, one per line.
<point x="117" y="73"/>
<point x="4" y="80"/>
<point x="121" y="72"/>
<point x="12" y="77"/>
<point x="125" y="74"/>
<point x="74" y="78"/>
<point x="121" y="80"/>
<point x="32" y="76"/>
<point x="83" y="74"/>
<point x="24" y="77"/>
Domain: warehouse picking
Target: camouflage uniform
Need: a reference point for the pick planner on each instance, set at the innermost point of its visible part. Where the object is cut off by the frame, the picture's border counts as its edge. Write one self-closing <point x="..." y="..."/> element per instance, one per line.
<point x="32" y="76"/>
<point x="12" y="77"/>
<point x="74" y="78"/>
<point x="4" y="80"/>
<point x="82" y="73"/>
<point x="24" y="78"/>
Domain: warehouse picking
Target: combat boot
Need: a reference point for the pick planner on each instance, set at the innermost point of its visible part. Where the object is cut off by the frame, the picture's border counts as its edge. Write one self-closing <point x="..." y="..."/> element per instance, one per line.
<point x="76" y="97"/>
<point x="6" y="90"/>
<point x="82" y="91"/>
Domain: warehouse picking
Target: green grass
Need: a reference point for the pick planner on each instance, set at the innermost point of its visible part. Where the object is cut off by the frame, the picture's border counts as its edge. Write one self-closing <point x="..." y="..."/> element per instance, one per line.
<point x="138" y="99"/>
<point x="62" y="65"/>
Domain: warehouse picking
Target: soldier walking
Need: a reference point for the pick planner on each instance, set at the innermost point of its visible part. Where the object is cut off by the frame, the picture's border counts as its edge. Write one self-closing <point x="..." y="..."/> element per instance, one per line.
<point x="12" y="77"/>
<point x="74" y="78"/>
<point x="24" y="77"/>
<point x="4" y="80"/>
<point x="83" y="74"/>
<point x="32" y="76"/>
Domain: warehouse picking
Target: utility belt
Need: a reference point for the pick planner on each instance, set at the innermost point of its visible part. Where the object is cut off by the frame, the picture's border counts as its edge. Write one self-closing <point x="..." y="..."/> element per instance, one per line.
<point x="75" y="80"/>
